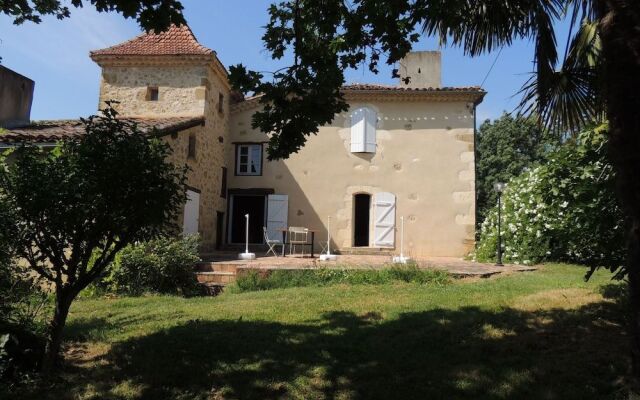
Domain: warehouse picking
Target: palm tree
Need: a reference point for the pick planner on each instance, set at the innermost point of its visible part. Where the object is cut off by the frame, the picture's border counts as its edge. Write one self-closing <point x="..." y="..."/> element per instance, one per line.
<point x="596" y="77"/>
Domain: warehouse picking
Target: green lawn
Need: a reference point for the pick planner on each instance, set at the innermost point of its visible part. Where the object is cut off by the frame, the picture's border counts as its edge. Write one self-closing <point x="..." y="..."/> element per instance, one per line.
<point x="540" y="335"/>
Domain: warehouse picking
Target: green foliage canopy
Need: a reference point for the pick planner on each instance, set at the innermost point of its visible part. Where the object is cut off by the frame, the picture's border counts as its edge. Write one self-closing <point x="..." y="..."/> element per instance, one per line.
<point x="505" y="147"/>
<point x="75" y="207"/>
<point x="155" y="15"/>
<point x="324" y="38"/>
<point x="562" y="210"/>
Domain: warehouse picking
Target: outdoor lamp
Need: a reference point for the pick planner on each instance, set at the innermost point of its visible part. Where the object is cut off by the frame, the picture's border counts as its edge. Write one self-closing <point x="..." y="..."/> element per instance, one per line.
<point x="499" y="188"/>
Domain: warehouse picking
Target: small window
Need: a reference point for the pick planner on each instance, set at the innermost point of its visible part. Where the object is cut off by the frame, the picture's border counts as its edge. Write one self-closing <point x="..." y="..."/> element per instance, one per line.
<point x="220" y="103"/>
<point x="223" y="183"/>
<point x="249" y="159"/>
<point x="191" y="152"/>
<point x="152" y="93"/>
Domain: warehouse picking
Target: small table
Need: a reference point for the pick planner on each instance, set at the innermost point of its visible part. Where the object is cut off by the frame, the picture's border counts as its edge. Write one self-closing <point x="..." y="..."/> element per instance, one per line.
<point x="284" y="239"/>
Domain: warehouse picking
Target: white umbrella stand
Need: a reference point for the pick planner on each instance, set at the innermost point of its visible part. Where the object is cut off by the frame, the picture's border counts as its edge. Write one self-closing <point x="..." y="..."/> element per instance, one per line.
<point x="328" y="256"/>
<point x="401" y="259"/>
<point x="246" y="255"/>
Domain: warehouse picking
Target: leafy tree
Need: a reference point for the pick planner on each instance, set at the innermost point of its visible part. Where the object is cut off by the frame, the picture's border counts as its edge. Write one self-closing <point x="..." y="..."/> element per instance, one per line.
<point x="504" y="148"/>
<point x="77" y="206"/>
<point x="598" y="75"/>
<point x="155" y="15"/>
<point x="561" y="210"/>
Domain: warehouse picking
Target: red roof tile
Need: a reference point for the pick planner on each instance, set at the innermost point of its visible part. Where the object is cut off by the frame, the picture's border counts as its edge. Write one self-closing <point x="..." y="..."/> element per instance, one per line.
<point x="54" y="131"/>
<point x="177" y="40"/>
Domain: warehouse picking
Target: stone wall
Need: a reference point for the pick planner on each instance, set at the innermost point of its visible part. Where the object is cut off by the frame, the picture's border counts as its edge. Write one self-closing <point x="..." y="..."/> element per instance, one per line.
<point x="181" y="89"/>
<point x="425" y="156"/>
<point x="203" y="176"/>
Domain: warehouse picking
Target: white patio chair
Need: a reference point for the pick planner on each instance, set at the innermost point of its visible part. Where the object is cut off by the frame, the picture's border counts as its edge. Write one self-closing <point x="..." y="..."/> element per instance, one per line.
<point x="271" y="243"/>
<point x="297" y="235"/>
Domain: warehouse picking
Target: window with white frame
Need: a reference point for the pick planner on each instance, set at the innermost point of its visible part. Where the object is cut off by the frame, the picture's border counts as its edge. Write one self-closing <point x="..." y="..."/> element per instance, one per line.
<point x="249" y="159"/>
<point x="364" y="121"/>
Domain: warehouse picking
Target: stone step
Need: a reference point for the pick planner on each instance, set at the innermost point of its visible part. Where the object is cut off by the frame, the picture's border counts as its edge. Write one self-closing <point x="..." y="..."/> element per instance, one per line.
<point x="367" y="251"/>
<point x="216" y="277"/>
<point x="217" y="267"/>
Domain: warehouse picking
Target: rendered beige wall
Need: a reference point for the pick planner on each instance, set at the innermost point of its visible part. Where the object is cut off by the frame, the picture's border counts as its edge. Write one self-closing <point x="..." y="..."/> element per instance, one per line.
<point x="181" y="89"/>
<point x="425" y="157"/>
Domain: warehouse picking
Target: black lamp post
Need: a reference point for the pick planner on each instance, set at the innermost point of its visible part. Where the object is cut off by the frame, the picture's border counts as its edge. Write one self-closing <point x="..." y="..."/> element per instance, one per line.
<point x="499" y="188"/>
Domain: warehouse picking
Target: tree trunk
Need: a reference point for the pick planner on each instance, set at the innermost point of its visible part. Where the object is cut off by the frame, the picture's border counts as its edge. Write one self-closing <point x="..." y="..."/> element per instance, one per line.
<point x="620" y="34"/>
<point x="64" y="297"/>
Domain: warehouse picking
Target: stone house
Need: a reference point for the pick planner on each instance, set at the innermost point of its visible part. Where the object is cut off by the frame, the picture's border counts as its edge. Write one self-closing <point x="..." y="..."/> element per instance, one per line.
<point x="400" y="151"/>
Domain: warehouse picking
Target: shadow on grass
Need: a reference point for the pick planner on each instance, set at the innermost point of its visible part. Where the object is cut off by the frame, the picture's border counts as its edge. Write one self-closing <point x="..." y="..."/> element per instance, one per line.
<point x="438" y="354"/>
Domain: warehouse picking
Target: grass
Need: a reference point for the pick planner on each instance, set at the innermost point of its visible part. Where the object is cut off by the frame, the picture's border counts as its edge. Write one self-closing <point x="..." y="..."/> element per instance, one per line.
<point x="254" y="280"/>
<point x="540" y="335"/>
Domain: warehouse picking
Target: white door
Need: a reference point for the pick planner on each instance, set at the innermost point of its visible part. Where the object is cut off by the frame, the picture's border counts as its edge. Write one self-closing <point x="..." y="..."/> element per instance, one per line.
<point x="277" y="213"/>
<point x="385" y="219"/>
<point x="191" y="213"/>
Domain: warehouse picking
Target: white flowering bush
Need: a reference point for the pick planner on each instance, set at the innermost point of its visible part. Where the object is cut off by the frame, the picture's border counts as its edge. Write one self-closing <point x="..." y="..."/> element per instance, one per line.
<point x="562" y="210"/>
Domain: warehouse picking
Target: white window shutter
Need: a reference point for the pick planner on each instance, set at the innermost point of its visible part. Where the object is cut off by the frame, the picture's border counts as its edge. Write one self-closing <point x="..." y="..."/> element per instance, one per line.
<point x="385" y="219"/>
<point x="191" y="213"/>
<point x="277" y="213"/>
<point x="358" y="129"/>
<point x="371" y="120"/>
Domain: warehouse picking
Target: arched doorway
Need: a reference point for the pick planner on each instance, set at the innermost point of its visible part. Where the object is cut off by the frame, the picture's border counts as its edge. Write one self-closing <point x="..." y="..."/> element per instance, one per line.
<point x="361" y="207"/>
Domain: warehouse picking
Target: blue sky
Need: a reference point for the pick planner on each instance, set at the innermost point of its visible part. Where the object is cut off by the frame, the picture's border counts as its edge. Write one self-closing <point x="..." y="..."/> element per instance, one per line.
<point x="56" y="55"/>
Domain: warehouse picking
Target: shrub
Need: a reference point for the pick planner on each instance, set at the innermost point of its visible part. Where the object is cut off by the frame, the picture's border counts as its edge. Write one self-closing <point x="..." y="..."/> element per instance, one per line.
<point x="157" y="266"/>
<point x="563" y="210"/>
<point x="254" y="280"/>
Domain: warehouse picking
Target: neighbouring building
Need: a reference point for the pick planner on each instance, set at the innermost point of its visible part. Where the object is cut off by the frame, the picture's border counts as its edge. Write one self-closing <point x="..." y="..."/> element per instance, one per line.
<point x="16" y="95"/>
<point x="400" y="151"/>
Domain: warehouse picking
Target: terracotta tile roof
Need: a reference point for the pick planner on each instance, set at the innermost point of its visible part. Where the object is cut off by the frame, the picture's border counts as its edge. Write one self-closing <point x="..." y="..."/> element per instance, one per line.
<point x="368" y="87"/>
<point x="374" y="86"/>
<point x="177" y="40"/>
<point x="53" y="131"/>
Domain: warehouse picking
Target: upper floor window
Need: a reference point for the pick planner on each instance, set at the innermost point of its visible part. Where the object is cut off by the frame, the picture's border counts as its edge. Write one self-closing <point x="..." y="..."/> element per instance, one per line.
<point x="363" y="130"/>
<point x="249" y="159"/>
<point x="152" y="93"/>
<point x="220" y="102"/>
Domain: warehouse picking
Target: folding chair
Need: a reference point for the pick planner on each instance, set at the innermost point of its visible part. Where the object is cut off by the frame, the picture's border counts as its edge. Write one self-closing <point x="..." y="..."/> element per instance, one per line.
<point x="297" y="235"/>
<point x="271" y="243"/>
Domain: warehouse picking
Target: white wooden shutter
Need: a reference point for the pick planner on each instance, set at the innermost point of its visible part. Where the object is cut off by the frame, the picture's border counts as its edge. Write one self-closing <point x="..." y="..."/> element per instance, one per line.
<point x="363" y="130"/>
<point x="358" y="129"/>
<point x="277" y="212"/>
<point x="191" y="213"/>
<point x="371" y="119"/>
<point x="385" y="219"/>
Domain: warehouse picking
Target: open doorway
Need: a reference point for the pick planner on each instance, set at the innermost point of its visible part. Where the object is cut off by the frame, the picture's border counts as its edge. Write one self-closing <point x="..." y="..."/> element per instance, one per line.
<point x="362" y="205"/>
<point x="254" y="205"/>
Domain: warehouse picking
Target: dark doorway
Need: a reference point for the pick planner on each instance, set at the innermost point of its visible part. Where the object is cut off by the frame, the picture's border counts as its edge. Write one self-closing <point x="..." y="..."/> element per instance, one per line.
<point x="362" y="203"/>
<point x="219" y="229"/>
<point x="254" y="206"/>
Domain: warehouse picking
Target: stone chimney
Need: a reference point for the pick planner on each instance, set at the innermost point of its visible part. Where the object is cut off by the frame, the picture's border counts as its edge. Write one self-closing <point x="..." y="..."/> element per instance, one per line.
<point x="423" y="69"/>
<point x="16" y="95"/>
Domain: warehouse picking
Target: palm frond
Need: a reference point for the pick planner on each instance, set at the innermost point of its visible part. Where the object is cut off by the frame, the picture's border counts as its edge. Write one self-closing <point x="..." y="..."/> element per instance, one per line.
<point x="567" y="99"/>
<point x="481" y="26"/>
